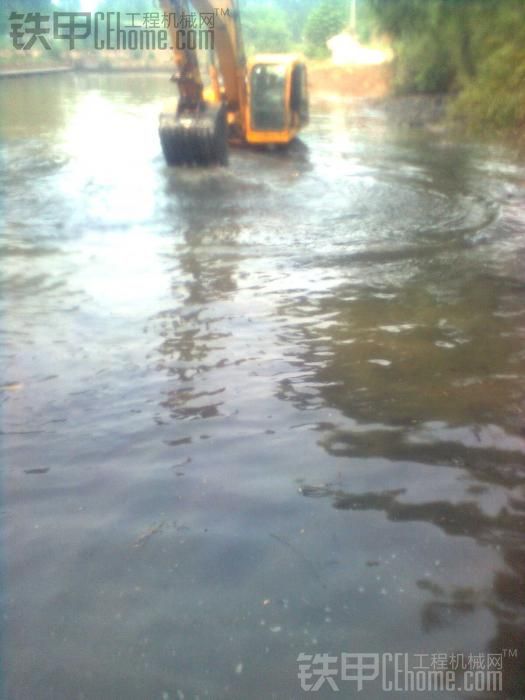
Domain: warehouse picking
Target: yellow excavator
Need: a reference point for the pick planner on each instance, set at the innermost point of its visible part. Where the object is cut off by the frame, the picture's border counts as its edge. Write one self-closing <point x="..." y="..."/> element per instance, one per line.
<point x="263" y="101"/>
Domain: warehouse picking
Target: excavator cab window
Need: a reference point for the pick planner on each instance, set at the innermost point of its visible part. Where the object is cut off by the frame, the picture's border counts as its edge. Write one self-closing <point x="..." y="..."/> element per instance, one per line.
<point x="268" y="103"/>
<point x="299" y="93"/>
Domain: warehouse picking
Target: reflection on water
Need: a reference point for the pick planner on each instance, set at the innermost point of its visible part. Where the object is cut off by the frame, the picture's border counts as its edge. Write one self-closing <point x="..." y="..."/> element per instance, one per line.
<point x="254" y="412"/>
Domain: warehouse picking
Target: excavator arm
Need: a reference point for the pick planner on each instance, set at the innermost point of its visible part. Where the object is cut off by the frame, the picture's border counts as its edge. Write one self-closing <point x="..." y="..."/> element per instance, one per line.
<point x="197" y="130"/>
<point x="229" y="50"/>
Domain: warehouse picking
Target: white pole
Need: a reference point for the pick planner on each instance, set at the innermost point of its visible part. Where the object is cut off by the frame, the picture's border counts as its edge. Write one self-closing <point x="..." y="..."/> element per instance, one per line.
<point x="353" y="15"/>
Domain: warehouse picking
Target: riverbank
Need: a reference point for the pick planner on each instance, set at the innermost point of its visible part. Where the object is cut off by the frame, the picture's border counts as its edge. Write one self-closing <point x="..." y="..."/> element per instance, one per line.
<point x="83" y="66"/>
<point x="348" y="82"/>
<point x="412" y="110"/>
<point x="18" y="72"/>
<point x="39" y="62"/>
<point x="369" y="89"/>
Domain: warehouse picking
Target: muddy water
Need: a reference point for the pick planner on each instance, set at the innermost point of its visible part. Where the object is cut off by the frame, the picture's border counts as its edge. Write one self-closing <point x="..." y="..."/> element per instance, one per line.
<point x="254" y="412"/>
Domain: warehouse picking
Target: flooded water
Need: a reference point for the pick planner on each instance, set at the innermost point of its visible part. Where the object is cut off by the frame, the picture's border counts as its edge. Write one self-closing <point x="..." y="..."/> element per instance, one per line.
<point x="254" y="412"/>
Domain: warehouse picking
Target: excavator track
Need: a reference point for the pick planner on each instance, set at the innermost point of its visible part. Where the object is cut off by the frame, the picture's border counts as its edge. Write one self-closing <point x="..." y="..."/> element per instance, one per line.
<point x="196" y="137"/>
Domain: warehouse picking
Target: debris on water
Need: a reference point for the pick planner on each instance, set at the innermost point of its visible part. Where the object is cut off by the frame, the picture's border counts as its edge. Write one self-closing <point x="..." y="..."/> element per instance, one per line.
<point x="308" y="562"/>
<point x="13" y="386"/>
<point x="181" y="464"/>
<point x="434" y="588"/>
<point x="238" y="669"/>
<point x="382" y="363"/>
<point x="314" y="491"/>
<point x="266" y="601"/>
<point x="397" y="328"/>
<point x="38" y="470"/>
<point x="275" y="629"/>
<point x="148" y="534"/>
<point x="180" y="441"/>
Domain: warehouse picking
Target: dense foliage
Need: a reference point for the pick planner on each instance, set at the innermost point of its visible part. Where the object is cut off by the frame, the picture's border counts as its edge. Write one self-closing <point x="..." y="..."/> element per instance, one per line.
<point x="307" y="24"/>
<point x="266" y="28"/>
<point x="475" y="48"/>
<point x="326" y="19"/>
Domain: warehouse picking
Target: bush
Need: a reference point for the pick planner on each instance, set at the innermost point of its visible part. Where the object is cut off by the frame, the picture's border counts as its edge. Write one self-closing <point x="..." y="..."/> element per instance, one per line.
<point x="495" y="98"/>
<point x="476" y="47"/>
<point x="423" y="65"/>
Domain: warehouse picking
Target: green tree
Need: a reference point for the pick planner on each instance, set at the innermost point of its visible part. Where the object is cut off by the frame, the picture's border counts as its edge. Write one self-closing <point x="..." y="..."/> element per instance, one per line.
<point x="293" y="11"/>
<point x="422" y="40"/>
<point x="265" y="28"/>
<point x="328" y="18"/>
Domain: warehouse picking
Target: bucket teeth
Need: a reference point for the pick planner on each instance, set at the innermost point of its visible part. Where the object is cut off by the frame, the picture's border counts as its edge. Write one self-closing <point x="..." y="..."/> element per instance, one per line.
<point x="192" y="138"/>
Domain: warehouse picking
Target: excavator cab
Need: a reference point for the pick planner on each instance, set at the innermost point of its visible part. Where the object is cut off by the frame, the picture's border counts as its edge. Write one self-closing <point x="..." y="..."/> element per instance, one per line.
<point x="277" y="99"/>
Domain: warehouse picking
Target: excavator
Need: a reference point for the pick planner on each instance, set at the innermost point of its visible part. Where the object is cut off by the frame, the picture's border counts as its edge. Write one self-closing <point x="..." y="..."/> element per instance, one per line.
<point x="260" y="102"/>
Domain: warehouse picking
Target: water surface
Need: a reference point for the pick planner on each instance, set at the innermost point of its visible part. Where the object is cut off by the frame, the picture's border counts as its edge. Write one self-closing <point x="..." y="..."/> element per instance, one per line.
<point x="255" y="411"/>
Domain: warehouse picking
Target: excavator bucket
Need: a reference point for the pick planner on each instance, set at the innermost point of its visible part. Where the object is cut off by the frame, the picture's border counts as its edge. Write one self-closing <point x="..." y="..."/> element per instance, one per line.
<point x="196" y="137"/>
